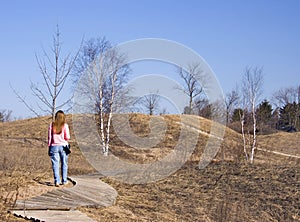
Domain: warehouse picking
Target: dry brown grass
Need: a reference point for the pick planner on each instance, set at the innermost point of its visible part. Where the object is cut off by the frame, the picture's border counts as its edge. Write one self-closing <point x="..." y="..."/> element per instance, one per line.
<point x="282" y="142"/>
<point x="227" y="190"/>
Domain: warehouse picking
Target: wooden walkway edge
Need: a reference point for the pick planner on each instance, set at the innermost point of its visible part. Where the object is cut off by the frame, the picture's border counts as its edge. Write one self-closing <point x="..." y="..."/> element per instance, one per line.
<point x="54" y="215"/>
<point x="60" y="204"/>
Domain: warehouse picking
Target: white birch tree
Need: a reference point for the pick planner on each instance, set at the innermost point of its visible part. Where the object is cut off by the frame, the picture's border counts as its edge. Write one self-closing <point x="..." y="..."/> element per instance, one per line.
<point x="104" y="74"/>
<point x="252" y="88"/>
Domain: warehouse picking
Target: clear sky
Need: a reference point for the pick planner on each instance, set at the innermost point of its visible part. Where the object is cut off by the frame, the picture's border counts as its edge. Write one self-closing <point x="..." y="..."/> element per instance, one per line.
<point x="229" y="35"/>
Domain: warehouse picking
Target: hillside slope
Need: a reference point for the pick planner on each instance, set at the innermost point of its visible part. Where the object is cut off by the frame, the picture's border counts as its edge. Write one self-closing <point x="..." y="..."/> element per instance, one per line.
<point x="229" y="190"/>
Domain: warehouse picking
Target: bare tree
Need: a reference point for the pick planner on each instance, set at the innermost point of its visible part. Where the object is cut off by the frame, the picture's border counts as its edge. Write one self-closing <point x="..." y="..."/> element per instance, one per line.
<point x="151" y="102"/>
<point x="286" y="95"/>
<point x="252" y="88"/>
<point x="55" y="71"/>
<point x="192" y="87"/>
<point x="101" y="82"/>
<point x="54" y="75"/>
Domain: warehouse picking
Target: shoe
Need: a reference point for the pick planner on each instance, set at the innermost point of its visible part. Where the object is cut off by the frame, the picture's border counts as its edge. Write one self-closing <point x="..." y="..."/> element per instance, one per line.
<point x="57" y="184"/>
<point x="65" y="183"/>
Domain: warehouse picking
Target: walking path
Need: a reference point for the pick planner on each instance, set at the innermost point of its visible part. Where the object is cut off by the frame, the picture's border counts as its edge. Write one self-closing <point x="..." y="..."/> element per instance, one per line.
<point x="60" y="204"/>
<point x="278" y="153"/>
<point x="260" y="149"/>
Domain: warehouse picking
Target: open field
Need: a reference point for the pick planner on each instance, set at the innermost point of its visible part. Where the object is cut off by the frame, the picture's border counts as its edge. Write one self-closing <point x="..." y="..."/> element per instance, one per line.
<point x="228" y="189"/>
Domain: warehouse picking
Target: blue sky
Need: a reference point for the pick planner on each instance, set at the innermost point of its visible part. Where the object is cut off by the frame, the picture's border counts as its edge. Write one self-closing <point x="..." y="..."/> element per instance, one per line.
<point x="229" y="35"/>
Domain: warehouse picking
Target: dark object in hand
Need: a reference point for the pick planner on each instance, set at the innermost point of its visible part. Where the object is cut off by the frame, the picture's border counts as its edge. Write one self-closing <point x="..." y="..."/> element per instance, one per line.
<point x="67" y="149"/>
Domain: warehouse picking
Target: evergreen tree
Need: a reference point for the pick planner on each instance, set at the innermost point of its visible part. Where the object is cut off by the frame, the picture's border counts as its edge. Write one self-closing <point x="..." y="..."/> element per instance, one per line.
<point x="236" y="115"/>
<point x="263" y="115"/>
<point x="289" y="117"/>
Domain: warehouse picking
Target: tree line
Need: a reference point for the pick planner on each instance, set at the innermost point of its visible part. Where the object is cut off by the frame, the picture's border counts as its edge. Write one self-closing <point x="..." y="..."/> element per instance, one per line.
<point x="281" y="112"/>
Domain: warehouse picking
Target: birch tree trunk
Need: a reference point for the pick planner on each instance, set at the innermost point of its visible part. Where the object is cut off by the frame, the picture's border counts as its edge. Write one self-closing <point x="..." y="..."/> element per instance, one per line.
<point x="254" y="133"/>
<point x="113" y="78"/>
<point x="102" y="120"/>
<point x="242" y="119"/>
<point x="100" y="77"/>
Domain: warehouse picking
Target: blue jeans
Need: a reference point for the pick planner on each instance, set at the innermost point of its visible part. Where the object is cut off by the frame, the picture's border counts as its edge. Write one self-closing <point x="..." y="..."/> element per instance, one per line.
<point x="59" y="160"/>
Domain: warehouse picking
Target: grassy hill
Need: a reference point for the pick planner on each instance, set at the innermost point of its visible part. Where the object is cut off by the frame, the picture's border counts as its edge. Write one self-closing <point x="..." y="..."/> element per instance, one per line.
<point x="228" y="189"/>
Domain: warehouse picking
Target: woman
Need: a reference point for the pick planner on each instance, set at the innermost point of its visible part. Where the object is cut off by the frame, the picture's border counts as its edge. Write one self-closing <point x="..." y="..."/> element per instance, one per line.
<point x="58" y="136"/>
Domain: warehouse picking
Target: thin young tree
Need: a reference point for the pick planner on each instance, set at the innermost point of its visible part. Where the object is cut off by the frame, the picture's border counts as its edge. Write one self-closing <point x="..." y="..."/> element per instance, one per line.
<point x="252" y="87"/>
<point x="55" y="70"/>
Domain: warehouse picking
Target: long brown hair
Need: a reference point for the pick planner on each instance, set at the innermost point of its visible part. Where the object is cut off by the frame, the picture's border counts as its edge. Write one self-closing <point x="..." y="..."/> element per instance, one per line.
<point x="60" y="120"/>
